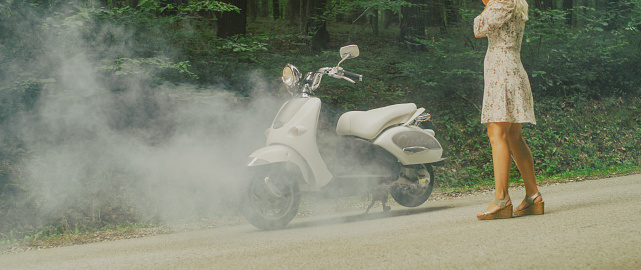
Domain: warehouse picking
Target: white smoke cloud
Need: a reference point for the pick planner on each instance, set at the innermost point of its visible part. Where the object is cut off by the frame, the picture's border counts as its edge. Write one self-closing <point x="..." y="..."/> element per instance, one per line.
<point x="122" y="148"/>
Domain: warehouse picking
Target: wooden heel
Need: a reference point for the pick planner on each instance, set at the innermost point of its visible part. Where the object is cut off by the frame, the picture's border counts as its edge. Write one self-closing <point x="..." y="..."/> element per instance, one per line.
<point x="535" y="209"/>
<point x="532" y="208"/>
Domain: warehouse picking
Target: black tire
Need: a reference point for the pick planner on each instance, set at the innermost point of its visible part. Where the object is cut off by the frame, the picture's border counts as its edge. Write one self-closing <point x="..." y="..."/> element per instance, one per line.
<point x="415" y="194"/>
<point x="271" y="198"/>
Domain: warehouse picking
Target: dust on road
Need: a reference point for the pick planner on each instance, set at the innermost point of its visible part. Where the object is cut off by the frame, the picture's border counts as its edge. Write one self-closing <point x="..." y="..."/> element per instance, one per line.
<point x="591" y="224"/>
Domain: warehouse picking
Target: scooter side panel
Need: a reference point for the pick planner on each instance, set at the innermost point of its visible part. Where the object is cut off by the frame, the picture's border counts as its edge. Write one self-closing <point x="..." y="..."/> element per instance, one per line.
<point x="397" y="138"/>
<point x="281" y="153"/>
<point x="299" y="133"/>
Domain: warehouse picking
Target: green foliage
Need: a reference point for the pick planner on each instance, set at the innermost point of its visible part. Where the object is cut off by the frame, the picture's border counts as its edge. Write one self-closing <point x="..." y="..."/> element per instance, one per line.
<point x="571" y="135"/>
<point x="583" y="134"/>
<point x="245" y="46"/>
<point x="13" y="238"/>
<point x="563" y="65"/>
<point x="591" y="68"/>
<point x="348" y="6"/>
<point x="191" y="9"/>
<point x="209" y="5"/>
<point x="144" y="66"/>
<point x="20" y="96"/>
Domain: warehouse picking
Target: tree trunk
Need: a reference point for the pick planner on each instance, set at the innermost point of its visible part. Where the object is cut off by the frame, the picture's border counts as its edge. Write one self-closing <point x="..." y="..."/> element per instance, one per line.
<point x="387" y="16"/>
<point x="303" y="15"/>
<point x="275" y="9"/>
<point x="568" y="6"/>
<point x="252" y="9"/>
<point x="412" y="23"/>
<point x="133" y="3"/>
<point x="545" y="4"/>
<point x="441" y="14"/>
<point x="264" y="8"/>
<point x="434" y="14"/>
<point x="315" y="27"/>
<point x="374" y="22"/>
<point x="451" y="13"/>
<point x="233" y="23"/>
<point x="292" y="12"/>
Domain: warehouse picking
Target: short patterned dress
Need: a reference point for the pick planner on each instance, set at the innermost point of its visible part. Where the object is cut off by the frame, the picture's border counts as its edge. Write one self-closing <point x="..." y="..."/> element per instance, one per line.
<point x="507" y="96"/>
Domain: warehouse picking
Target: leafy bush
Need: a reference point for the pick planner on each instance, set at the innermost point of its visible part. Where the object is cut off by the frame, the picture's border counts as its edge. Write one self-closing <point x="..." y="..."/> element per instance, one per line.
<point x="578" y="76"/>
<point x="587" y="61"/>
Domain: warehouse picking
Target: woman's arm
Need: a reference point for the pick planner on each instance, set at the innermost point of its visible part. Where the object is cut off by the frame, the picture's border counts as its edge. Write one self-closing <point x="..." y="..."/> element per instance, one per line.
<point x="484" y="8"/>
<point x="495" y="14"/>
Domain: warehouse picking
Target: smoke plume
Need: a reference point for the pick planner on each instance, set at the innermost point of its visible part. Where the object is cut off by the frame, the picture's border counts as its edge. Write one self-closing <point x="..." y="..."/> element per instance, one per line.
<point x="107" y="146"/>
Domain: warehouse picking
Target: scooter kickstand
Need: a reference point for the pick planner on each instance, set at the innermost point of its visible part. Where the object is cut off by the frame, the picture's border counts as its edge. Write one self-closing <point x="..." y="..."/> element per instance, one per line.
<point x="370" y="206"/>
<point x="379" y="195"/>
<point x="384" y="201"/>
<point x="386" y="207"/>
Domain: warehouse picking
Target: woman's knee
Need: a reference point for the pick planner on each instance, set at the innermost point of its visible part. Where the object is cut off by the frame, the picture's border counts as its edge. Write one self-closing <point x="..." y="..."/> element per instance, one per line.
<point x="497" y="138"/>
<point x="514" y="135"/>
<point x="497" y="132"/>
<point x="515" y="138"/>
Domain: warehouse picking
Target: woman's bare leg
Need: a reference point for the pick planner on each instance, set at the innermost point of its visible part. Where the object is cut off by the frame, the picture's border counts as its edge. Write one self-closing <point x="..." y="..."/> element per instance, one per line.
<point x="498" y="133"/>
<point x="524" y="161"/>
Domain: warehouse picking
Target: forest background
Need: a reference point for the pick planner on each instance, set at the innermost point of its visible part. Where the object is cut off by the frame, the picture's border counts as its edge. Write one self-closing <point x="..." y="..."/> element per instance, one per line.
<point x="121" y="112"/>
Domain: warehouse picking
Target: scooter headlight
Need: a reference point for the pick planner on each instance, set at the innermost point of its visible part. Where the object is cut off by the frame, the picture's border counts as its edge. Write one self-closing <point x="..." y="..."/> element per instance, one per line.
<point x="291" y="75"/>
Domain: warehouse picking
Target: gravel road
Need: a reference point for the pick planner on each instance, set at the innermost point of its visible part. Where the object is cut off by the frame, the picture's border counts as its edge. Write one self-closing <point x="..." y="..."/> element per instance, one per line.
<point x="593" y="224"/>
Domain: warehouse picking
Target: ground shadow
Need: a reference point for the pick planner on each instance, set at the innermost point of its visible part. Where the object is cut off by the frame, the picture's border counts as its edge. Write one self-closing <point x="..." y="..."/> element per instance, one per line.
<point x="362" y="217"/>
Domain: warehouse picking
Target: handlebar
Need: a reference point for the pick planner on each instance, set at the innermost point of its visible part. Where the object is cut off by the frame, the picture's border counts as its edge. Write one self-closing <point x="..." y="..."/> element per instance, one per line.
<point x="353" y="76"/>
<point x="339" y="73"/>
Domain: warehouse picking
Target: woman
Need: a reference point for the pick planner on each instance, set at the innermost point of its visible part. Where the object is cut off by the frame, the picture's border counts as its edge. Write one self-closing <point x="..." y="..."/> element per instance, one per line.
<point x="507" y="103"/>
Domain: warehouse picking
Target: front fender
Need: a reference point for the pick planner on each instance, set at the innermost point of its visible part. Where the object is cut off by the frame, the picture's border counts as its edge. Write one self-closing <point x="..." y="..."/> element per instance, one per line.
<point x="280" y="154"/>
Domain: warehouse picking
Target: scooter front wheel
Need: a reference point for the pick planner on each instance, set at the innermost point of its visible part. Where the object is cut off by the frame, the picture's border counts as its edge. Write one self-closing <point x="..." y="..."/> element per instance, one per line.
<point x="271" y="198"/>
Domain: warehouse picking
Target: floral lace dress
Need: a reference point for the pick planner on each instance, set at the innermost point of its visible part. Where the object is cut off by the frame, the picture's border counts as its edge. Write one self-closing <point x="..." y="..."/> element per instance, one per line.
<point x="507" y="96"/>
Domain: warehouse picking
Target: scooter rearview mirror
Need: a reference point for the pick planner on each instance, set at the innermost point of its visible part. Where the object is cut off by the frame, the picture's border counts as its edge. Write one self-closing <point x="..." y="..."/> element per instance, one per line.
<point x="349" y="52"/>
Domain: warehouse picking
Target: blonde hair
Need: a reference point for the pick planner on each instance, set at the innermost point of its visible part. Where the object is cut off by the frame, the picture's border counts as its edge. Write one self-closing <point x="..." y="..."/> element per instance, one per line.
<point x="521" y="8"/>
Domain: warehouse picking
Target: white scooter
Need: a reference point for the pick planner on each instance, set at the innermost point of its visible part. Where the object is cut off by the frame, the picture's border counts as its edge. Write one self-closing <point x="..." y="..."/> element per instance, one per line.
<point x="380" y="151"/>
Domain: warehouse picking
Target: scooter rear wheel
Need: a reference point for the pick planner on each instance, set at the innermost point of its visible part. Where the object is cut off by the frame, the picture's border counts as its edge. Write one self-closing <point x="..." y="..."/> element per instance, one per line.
<point x="271" y="198"/>
<point x="416" y="193"/>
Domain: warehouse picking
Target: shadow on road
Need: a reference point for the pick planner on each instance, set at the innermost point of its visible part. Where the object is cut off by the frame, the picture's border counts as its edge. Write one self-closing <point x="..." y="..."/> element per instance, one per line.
<point x="362" y="217"/>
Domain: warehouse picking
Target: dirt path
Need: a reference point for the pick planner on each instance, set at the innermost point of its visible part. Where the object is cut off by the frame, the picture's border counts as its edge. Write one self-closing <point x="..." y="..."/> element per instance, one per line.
<point x="592" y="224"/>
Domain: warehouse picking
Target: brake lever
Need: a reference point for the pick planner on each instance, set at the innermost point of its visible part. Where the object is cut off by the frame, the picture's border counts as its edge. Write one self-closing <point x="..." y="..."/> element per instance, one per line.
<point x="334" y="75"/>
<point x="335" y="72"/>
<point x="348" y="79"/>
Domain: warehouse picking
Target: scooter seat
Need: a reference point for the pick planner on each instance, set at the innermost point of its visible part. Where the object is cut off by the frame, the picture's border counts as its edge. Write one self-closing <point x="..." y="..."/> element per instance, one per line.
<point x="368" y="124"/>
